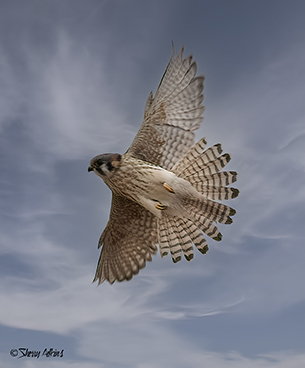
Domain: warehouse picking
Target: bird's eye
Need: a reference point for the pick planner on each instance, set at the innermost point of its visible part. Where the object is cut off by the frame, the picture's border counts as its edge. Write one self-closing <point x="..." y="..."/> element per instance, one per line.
<point x="99" y="162"/>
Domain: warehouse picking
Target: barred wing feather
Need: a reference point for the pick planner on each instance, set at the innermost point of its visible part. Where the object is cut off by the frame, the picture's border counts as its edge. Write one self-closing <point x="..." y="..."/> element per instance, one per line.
<point x="171" y="116"/>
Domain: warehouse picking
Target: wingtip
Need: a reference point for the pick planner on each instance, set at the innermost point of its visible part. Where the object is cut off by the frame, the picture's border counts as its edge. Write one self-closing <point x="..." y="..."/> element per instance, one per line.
<point x="99" y="280"/>
<point x="173" y="48"/>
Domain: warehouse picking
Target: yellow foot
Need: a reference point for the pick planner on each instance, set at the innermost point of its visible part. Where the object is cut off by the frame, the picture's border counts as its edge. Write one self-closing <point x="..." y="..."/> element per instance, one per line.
<point x="168" y="187"/>
<point x="160" y="207"/>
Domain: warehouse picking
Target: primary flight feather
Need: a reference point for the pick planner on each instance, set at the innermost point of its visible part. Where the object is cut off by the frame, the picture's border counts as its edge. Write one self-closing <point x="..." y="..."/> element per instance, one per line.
<point x="165" y="187"/>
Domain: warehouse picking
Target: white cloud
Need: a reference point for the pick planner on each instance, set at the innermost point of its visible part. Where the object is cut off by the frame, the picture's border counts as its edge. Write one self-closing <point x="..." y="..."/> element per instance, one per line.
<point x="70" y="110"/>
<point x="11" y="94"/>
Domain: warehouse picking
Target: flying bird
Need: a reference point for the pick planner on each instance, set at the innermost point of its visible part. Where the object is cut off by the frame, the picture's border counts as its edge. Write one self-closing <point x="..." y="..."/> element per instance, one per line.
<point x="164" y="187"/>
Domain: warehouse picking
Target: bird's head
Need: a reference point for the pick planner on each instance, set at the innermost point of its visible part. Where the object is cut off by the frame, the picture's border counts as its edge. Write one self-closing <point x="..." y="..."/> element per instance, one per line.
<point x="105" y="164"/>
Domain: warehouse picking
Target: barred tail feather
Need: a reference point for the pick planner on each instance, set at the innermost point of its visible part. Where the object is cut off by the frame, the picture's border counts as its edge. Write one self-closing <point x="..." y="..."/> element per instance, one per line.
<point x="207" y="226"/>
<point x="173" y="241"/>
<point x="217" y="193"/>
<point x="183" y="237"/>
<point x="162" y="237"/>
<point x="220" y="179"/>
<point x="209" y="209"/>
<point x="195" y="235"/>
<point x="193" y="162"/>
<point x="197" y="173"/>
<point x="189" y="157"/>
<point x="177" y="235"/>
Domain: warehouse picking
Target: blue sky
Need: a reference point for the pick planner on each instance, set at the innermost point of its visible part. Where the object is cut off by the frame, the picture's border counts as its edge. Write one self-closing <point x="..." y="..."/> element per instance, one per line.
<point x="74" y="79"/>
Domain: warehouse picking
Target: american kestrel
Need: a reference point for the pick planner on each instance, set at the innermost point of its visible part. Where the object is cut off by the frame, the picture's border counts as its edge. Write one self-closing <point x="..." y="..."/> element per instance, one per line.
<point x="165" y="187"/>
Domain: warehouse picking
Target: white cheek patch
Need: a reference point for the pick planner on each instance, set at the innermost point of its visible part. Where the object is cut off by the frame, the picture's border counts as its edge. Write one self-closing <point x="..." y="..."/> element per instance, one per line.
<point x="105" y="169"/>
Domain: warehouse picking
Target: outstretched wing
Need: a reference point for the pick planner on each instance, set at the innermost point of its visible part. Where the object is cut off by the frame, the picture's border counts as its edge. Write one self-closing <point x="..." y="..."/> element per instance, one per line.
<point x="128" y="241"/>
<point x="171" y="117"/>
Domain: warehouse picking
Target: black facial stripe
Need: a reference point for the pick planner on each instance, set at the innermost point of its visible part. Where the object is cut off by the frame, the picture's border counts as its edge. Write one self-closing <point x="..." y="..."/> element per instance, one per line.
<point x="99" y="171"/>
<point x="109" y="166"/>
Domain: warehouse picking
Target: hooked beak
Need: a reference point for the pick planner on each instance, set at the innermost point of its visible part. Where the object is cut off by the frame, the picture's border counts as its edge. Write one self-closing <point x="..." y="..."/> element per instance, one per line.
<point x="90" y="168"/>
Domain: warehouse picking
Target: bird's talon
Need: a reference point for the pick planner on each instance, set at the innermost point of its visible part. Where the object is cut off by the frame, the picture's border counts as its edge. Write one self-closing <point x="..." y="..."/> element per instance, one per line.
<point x="168" y="187"/>
<point x="160" y="207"/>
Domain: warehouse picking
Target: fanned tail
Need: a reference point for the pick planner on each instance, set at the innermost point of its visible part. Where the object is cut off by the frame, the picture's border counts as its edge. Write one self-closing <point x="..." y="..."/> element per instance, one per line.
<point x="202" y="168"/>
